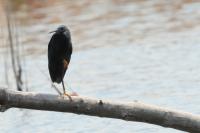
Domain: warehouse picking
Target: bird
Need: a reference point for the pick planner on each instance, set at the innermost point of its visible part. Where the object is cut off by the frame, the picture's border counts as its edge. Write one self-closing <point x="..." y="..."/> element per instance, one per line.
<point x="59" y="55"/>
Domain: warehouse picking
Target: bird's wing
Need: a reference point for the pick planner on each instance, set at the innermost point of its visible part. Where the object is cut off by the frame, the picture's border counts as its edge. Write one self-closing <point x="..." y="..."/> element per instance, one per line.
<point x="67" y="58"/>
<point x="67" y="55"/>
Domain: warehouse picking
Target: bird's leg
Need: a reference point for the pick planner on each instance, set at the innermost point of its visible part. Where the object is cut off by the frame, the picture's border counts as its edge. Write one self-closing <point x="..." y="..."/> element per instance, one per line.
<point x="66" y="94"/>
<point x="60" y="93"/>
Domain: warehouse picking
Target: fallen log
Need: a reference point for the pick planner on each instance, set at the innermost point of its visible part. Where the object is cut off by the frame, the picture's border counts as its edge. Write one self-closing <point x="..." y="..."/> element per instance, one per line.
<point x="130" y="111"/>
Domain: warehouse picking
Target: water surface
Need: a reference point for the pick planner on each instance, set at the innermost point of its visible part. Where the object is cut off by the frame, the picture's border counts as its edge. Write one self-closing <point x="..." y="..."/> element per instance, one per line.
<point x="146" y="51"/>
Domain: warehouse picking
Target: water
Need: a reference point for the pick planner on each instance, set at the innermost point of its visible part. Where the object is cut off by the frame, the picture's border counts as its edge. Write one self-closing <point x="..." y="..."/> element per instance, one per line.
<point x="146" y="51"/>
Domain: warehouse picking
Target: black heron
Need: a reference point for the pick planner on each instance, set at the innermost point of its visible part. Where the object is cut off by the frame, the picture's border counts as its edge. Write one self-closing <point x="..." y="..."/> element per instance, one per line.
<point x="59" y="54"/>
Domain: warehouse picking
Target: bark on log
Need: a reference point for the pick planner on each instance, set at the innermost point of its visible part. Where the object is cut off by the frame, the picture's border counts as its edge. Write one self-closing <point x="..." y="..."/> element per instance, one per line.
<point x="132" y="111"/>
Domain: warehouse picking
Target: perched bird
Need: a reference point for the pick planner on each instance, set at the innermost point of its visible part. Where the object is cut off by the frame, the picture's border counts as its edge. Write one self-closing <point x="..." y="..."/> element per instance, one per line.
<point x="59" y="54"/>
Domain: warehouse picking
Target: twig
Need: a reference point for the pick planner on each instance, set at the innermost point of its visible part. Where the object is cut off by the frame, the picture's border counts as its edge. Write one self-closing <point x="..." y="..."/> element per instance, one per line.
<point x="16" y="71"/>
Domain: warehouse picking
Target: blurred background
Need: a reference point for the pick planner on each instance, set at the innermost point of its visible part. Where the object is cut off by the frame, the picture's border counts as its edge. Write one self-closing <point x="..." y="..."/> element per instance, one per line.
<point x="146" y="50"/>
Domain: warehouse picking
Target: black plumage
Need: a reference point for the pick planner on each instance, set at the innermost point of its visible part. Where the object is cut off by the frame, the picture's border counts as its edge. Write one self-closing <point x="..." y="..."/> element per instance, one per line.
<point x="59" y="54"/>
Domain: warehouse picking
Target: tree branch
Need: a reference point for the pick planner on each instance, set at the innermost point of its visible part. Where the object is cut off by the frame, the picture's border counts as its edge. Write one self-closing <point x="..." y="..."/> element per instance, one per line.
<point x="132" y="111"/>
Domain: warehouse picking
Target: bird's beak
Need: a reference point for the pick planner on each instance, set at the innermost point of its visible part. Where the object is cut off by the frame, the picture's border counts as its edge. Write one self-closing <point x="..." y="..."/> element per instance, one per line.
<point x="52" y="31"/>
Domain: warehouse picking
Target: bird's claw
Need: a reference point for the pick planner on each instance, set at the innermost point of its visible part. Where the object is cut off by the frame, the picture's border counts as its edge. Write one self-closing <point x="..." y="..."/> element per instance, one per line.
<point x="68" y="95"/>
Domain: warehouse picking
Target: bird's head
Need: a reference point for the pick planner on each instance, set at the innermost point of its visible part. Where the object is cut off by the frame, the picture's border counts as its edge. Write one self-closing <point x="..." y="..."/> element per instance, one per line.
<point x="60" y="29"/>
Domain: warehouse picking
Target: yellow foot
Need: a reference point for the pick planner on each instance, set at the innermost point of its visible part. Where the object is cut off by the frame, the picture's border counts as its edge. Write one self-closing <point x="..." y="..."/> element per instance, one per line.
<point x="68" y="95"/>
